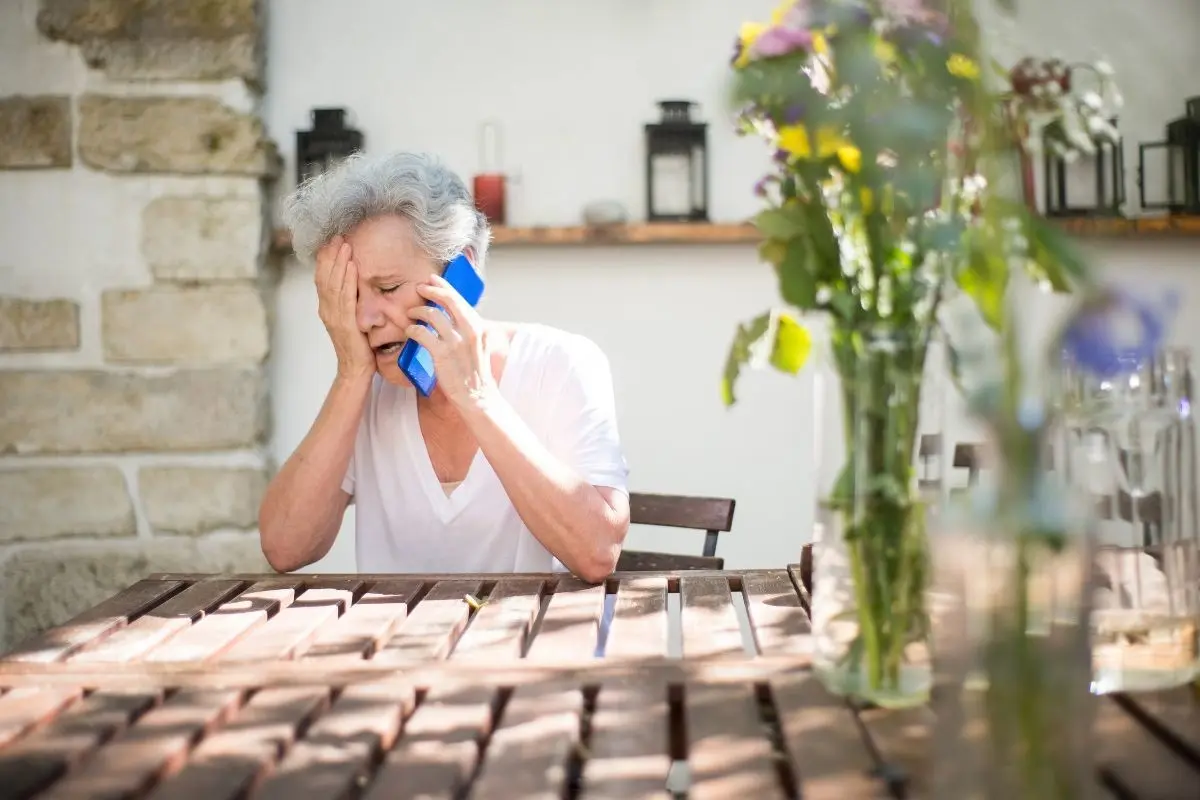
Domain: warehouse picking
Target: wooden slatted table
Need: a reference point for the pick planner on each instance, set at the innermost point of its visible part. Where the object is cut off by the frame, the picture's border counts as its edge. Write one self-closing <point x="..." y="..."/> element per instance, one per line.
<point x="692" y="684"/>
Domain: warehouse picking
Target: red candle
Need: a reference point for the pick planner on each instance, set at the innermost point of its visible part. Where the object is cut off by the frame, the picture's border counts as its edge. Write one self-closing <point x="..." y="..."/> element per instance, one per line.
<point x="489" y="197"/>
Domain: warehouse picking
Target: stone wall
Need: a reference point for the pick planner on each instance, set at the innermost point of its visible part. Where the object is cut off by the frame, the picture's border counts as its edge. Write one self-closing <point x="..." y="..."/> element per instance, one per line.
<point x="133" y="328"/>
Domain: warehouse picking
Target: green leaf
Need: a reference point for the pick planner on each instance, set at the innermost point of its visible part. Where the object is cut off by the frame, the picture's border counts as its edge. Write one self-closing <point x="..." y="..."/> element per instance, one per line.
<point x="825" y="247"/>
<point x="1055" y="253"/>
<point x="780" y="223"/>
<point x="846" y="306"/>
<point x="985" y="280"/>
<point x="797" y="284"/>
<point x="793" y="344"/>
<point x="748" y="334"/>
<point x="772" y="251"/>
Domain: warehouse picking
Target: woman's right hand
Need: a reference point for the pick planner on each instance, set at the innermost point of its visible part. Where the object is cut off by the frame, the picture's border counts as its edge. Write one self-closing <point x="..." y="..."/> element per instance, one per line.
<point x="337" y="304"/>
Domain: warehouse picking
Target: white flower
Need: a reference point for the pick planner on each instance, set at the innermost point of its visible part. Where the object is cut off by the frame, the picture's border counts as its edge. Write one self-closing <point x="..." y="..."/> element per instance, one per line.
<point x="1092" y="100"/>
<point x="1104" y="68"/>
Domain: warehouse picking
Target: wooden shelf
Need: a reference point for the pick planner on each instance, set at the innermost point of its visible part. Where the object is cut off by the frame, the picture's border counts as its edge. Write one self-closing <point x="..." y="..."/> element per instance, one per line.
<point x="580" y="235"/>
<point x="1163" y="226"/>
<point x="702" y="233"/>
<point x="636" y="233"/>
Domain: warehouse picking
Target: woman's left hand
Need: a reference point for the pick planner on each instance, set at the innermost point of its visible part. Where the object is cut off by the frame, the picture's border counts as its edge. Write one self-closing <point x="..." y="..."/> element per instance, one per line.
<point x="457" y="343"/>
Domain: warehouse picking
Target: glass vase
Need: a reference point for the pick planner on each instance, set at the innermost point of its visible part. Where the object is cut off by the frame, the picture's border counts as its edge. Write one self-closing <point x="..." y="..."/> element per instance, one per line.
<point x="1009" y="608"/>
<point x="869" y="556"/>
<point x="1130" y="447"/>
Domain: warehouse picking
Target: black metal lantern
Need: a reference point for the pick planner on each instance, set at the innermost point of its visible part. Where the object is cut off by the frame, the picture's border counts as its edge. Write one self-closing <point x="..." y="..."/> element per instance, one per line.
<point x="1180" y="164"/>
<point x="676" y="166"/>
<point x="328" y="142"/>
<point x="1090" y="186"/>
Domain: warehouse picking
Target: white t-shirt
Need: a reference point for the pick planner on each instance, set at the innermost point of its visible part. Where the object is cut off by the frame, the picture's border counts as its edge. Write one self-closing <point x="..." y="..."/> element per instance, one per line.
<point x="560" y="384"/>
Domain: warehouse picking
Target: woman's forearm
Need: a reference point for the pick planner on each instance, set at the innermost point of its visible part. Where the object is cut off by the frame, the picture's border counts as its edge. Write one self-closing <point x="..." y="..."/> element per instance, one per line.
<point x="569" y="516"/>
<point x="303" y="506"/>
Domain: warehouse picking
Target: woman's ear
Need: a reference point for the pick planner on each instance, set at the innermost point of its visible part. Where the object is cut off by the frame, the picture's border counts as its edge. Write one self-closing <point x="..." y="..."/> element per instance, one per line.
<point x="469" y="252"/>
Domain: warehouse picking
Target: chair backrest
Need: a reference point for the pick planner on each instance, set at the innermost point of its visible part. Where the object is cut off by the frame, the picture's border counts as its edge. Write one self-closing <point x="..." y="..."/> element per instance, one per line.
<point x="713" y="515"/>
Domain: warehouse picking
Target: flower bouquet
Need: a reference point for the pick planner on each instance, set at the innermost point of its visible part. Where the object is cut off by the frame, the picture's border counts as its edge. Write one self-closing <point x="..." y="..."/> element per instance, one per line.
<point x="886" y="131"/>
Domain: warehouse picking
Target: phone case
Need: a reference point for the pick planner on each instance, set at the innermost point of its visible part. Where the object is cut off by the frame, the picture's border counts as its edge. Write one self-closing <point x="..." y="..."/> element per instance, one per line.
<point x="414" y="360"/>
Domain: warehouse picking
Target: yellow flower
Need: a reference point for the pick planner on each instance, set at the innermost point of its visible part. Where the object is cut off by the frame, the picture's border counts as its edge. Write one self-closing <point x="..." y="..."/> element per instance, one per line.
<point x="748" y="36"/>
<point x="850" y="158"/>
<point x="962" y="67"/>
<point x="820" y="44"/>
<point x="781" y="11"/>
<point x="829" y="142"/>
<point x="794" y="139"/>
<point x="885" y="51"/>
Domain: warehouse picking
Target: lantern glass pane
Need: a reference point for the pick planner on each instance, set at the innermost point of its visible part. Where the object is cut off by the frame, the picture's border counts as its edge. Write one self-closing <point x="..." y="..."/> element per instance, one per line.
<point x="697" y="181"/>
<point x="1080" y="178"/>
<point x="1161" y="163"/>
<point x="671" y="181"/>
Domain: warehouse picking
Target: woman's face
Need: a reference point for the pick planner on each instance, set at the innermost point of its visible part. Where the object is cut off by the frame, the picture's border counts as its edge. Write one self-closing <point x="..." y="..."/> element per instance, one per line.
<point x="390" y="267"/>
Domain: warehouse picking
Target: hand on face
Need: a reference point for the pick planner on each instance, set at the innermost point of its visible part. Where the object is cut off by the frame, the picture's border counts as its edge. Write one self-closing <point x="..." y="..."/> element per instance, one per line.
<point x="337" y="302"/>
<point x="457" y="342"/>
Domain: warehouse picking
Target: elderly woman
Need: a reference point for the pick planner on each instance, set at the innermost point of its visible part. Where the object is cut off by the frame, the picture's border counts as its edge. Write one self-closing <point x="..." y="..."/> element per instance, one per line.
<point x="512" y="463"/>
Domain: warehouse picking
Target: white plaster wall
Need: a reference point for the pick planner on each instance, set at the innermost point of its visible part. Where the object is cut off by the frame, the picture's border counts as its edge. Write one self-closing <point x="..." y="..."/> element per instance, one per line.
<point x="572" y="85"/>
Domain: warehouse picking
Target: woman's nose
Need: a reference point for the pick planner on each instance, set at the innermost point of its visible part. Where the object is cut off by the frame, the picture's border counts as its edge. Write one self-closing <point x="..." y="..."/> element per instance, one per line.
<point x="369" y="312"/>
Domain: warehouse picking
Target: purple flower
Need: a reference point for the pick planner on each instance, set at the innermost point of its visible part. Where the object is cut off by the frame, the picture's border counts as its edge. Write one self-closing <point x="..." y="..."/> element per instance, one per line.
<point x="760" y="188"/>
<point x="914" y="23"/>
<point x="793" y="114"/>
<point x="1095" y="341"/>
<point x="781" y="40"/>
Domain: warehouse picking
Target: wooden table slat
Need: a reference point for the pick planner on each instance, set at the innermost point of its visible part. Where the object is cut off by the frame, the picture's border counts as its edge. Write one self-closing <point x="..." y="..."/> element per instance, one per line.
<point x="710" y="623"/>
<point x="730" y="752"/>
<point x="229" y="622"/>
<point x="1134" y="761"/>
<point x="431" y="630"/>
<point x="23" y="710"/>
<point x="154" y="746"/>
<point x="903" y="739"/>
<point x="629" y="752"/>
<point x="228" y="763"/>
<point x="176" y="614"/>
<point x="570" y="627"/>
<point x="777" y="618"/>
<point x="796" y="574"/>
<point x="1174" y="714"/>
<point x="501" y="627"/>
<point x="294" y="627"/>
<point x="639" y="624"/>
<point x="823" y="740"/>
<point x="529" y="752"/>
<point x="100" y="620"/>
<point x="36" y="761"/>
<point x="336" y="754"/>
<point x="367" y="623"/>
<point x="438" y="750"/>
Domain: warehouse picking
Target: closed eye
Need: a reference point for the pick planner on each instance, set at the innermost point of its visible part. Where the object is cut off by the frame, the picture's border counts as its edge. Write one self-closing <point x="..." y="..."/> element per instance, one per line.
<point x="388" y="289"/>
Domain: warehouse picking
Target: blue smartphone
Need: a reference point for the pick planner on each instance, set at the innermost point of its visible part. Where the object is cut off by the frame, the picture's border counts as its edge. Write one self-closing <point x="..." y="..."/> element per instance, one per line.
<point x="414" y="360"/>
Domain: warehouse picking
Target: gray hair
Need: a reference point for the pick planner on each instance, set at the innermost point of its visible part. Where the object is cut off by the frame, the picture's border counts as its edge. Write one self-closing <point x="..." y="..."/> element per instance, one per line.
<point x="417" y="186"/>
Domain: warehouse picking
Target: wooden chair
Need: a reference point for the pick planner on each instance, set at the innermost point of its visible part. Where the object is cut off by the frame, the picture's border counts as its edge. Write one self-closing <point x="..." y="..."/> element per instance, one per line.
<point x="713" y="515"/>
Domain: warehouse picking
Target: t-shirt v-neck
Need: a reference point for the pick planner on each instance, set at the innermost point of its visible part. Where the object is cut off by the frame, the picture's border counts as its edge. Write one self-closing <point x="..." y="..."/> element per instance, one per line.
<point x="447" y="505"/>
<point x="559" y="384"/>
